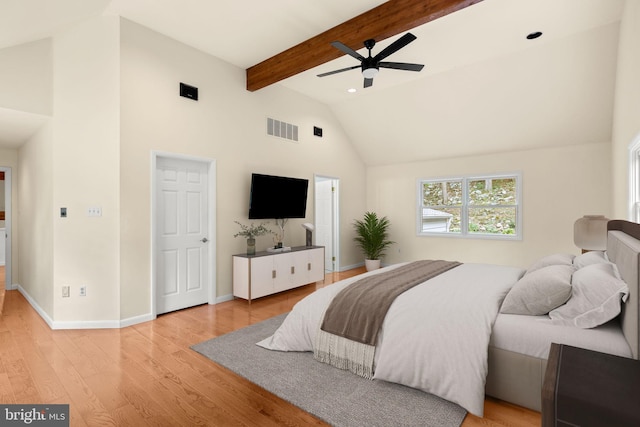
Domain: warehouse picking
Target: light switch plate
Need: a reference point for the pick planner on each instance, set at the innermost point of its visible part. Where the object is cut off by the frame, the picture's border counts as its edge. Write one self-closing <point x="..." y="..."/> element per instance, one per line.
<point x="94" y="211"/>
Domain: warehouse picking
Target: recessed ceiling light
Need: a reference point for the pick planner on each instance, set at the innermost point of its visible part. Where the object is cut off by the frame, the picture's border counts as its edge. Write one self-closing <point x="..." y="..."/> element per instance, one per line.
<point x="534" y="35"/>
<point x="352" y="90"/>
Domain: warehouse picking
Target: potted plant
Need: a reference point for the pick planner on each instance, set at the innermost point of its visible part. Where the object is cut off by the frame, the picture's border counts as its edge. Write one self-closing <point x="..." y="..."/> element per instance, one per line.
<point x="251" y="232"/>
<point x="371" y="237"/>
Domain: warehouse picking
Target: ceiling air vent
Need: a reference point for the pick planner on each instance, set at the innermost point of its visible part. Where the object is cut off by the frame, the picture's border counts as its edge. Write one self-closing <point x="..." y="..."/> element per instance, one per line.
<point x="281" y="129"/>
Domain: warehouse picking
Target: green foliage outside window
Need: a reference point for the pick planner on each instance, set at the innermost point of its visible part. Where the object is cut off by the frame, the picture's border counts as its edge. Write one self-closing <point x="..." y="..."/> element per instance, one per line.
<point x="490" y="208"/>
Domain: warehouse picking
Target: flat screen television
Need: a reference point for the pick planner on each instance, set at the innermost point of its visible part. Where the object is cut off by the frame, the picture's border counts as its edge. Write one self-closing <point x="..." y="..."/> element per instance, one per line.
<point x="276" y="197"/>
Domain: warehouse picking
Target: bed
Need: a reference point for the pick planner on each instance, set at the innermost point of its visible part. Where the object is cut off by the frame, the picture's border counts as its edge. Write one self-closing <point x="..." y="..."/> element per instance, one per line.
<point x="456" y="334"/>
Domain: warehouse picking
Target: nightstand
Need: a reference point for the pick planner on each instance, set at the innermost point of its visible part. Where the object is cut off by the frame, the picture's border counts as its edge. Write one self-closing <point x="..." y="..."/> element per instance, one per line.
<point x="587" y="388"/>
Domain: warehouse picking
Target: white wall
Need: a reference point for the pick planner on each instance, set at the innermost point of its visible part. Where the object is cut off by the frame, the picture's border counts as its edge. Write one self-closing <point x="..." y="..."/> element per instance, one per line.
<point x="626" y="125"/>
<point x="86" y="136"/>
<point x="26" y="78"/>
<point x="227" y="124"/>
<point x="34" y="212"/>
<point x="559" y="185"/>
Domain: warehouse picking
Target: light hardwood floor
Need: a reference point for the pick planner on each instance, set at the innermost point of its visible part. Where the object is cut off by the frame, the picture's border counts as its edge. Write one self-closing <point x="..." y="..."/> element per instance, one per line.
<point x="147" y="375"/>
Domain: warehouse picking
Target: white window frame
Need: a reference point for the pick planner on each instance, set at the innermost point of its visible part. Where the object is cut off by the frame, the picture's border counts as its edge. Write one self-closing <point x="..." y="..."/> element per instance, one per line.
<point x="634" y="180"/>
<point x="464" y="219"/>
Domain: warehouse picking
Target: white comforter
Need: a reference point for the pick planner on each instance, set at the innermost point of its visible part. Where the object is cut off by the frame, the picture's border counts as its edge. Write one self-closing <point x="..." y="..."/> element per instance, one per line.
<point x="434" y="337"/>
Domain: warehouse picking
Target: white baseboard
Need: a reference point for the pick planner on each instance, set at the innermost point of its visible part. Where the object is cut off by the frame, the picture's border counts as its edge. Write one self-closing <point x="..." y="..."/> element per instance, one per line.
<point x="35" y="305"/>
<point x="93" y="324"/>
<point x="351" y="267"/>
<point x="86" y="324"/>
<point x="136" y="319"/>
<point x="224" y="298"/>
<point x="73" y="324"/>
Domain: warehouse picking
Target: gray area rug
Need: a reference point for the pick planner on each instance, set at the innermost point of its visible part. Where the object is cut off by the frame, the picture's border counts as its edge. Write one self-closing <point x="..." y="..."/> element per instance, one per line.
<point x="340" y="398"/>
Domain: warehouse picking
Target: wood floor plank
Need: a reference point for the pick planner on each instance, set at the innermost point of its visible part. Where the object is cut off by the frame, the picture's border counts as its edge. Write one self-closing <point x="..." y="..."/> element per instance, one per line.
<point x="147" y="375"/>
<point x="6" y="391"/>
<point x="195" y="372"/>
<point x="133" y="364"/>
<point x="22" y="383"/>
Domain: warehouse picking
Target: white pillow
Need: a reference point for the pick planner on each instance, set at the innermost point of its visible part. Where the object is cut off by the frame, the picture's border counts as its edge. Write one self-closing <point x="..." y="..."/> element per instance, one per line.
<point x="588" y="258"/>
<point x="540" y="291"/>
<point x="595" y="298"/>
<point x="555" y="259"/>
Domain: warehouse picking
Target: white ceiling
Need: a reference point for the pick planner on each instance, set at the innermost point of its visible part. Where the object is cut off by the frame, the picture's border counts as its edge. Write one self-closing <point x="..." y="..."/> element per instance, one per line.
<point x="484" y="88"/>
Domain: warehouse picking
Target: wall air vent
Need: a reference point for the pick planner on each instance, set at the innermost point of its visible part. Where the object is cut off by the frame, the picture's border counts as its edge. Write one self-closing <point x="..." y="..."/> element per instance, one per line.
<point x="281" y="129"/>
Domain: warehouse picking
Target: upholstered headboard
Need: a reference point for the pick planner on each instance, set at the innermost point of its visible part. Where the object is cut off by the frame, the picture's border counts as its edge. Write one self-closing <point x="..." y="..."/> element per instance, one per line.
<point x="623" y="248"/>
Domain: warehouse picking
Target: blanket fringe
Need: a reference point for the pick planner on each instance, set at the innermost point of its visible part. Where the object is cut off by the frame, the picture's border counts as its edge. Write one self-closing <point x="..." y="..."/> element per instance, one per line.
<point x="344" y="354"/>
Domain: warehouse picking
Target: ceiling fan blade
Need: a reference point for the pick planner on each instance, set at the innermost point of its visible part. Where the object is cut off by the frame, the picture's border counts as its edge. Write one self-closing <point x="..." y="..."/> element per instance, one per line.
<point x="346" y="49"/>
<point x="395" y="46"/>
<point x="338" y="71"/>
<point x="368" y="83"/>
<point x="401" y="66"/>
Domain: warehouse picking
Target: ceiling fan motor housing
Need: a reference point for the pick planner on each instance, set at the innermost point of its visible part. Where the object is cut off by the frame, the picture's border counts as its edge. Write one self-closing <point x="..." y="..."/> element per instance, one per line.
<point x="369" y="67"/>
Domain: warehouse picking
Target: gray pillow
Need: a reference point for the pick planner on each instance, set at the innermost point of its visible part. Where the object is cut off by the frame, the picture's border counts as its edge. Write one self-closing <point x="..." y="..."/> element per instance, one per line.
<point x="595" y="299"/>
<point x="540" y="291"/>
<point x="555" y="259"/>
<point x="588" y="258"/>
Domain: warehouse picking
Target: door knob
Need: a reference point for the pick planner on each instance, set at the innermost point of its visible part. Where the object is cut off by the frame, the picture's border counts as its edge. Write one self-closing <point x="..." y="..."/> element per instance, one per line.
<point x="204" y="240"/>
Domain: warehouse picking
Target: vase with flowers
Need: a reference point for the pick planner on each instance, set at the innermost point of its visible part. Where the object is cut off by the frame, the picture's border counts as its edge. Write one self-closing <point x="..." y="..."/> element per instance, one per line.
<point x="250" y="232"/>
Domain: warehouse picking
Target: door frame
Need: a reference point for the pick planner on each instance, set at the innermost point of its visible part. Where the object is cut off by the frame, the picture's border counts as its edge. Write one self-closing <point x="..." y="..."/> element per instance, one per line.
<point x="211" y="284"/>
<point x="335" y="214"/>
<point x="7" y="224"/>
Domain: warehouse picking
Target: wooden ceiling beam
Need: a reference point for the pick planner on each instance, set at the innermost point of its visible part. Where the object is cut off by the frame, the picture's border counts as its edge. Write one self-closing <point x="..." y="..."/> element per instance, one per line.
<point x="387" y="20"/>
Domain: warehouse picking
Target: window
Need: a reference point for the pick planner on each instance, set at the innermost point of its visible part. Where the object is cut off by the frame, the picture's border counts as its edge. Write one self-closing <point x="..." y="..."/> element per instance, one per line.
<point x="634" y="181"/>
<point x="473" y="206"/>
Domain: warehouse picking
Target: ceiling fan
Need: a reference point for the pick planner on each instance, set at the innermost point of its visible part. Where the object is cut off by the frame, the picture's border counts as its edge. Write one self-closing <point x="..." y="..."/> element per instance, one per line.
<point x="371" y="65"/>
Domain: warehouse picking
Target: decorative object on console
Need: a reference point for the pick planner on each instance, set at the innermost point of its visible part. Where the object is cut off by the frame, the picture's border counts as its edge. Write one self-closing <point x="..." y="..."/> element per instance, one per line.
<point x="590" y="233"/>
<point x="309" y="227"/>
<point x="372" y="238"/>
<point x="251" y="232"/>
<point x="278" y="240"/>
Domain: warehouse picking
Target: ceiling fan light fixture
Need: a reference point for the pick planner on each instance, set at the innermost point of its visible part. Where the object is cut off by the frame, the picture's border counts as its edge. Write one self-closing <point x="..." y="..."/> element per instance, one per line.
<point x="369" y="73"/>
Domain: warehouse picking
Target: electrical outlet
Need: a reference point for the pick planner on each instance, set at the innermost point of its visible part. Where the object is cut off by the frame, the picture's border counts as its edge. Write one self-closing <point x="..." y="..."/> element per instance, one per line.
<point x="65" y="291"/>
<point x="83" y="291"/>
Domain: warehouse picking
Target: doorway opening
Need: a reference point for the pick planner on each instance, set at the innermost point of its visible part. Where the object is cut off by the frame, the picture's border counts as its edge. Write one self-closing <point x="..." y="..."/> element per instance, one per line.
<point x="5" y="227"/>
<point x="5" y="233"/>
<point x="327" y="219"/>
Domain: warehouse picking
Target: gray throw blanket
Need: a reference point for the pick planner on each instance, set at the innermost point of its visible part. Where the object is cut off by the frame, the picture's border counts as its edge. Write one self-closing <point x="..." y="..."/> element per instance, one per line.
<point x="351" y="324"/>
<point x="358" y="311"/>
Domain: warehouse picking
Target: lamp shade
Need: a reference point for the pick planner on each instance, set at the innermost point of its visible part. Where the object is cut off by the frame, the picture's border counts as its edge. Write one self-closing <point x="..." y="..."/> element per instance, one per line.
<point x="590" y="232"/>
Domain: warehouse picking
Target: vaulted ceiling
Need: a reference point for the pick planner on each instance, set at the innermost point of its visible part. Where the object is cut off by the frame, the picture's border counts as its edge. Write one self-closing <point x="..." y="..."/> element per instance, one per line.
<point x="485" y="87"/>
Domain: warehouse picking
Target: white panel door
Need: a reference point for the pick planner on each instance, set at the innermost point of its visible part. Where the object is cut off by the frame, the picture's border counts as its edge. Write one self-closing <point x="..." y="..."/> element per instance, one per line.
<point x="182" y="269"/>
<point x="324" y="219"/>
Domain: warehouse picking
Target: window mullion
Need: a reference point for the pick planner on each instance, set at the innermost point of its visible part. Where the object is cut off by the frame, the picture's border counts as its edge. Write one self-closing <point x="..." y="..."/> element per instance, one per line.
<point x="464" y="216"/>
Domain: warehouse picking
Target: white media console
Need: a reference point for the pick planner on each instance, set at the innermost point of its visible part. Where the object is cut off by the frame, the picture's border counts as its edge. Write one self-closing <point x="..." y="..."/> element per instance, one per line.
<point x="267" y="273"/>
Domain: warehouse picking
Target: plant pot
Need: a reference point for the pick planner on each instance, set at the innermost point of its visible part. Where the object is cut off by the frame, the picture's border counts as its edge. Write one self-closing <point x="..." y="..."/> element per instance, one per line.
<point x="251" y="246"/>
<point x="372" y="264"/>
